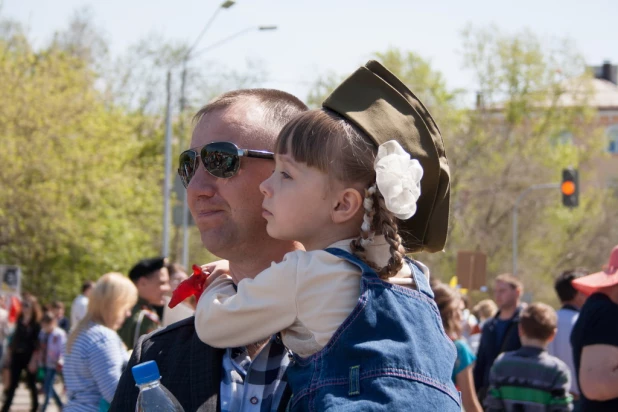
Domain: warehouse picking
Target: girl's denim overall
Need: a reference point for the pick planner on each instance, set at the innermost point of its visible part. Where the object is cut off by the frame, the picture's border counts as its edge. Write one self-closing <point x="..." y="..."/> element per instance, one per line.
<point x="390" y="354"/>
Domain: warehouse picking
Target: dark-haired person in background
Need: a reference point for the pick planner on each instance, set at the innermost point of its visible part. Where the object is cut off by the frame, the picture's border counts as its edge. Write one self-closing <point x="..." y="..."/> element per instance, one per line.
<point x="152" y="281"/>
<point x="500" y="332"/>
<point x="572" y="301"/>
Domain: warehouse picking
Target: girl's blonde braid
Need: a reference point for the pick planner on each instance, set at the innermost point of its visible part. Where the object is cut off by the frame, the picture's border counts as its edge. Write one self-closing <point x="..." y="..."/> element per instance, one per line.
<point x="388" y="224"/>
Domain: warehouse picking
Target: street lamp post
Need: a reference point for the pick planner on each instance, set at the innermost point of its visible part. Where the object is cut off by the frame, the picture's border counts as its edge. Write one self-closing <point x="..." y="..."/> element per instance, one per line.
<point x="168" y="130"/>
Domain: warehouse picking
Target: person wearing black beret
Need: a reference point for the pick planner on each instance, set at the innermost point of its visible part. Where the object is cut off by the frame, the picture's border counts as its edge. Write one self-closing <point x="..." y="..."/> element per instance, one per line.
<point x="151" y="278"/>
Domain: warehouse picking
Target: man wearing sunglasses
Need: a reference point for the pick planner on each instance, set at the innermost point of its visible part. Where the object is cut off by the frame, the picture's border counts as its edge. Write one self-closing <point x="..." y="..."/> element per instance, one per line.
<point x="230" y="155"/>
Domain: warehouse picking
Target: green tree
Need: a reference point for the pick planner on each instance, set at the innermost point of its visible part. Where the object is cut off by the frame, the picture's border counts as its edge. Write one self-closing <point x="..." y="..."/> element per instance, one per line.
<point x="80" y="182"/>
<point x="530" y="97"/>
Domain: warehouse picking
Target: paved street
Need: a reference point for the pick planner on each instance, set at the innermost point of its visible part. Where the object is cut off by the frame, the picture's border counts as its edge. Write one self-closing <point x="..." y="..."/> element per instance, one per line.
<point x="21" y="402"/>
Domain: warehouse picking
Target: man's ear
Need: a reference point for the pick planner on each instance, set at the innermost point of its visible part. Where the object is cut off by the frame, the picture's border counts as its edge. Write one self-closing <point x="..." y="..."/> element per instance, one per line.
<point x="348" y="203"/>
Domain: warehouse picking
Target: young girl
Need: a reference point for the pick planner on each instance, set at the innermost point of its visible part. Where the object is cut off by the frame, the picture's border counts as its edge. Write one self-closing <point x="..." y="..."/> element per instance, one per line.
<point x="449" y="304"/>
<point x="357" y="314"/>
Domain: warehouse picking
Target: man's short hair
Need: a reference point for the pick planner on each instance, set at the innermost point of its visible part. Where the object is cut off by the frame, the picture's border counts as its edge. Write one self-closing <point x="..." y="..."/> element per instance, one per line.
<point x="57" y="305"/>
<point x="280" y="107"/>
<point x="146" y="267"/>
<point x="538" y="321"/>
<point x="563" y="286"/>
<point x="510" y="280"/>
<point x="87" y="285"/>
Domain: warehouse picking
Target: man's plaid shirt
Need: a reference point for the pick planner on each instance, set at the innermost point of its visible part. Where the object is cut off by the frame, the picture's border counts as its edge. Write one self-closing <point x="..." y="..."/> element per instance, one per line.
<point x="256" y="386"/>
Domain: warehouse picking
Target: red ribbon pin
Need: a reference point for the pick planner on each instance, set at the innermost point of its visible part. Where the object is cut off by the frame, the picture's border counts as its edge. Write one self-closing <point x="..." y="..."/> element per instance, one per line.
<point x="193" y="286"/>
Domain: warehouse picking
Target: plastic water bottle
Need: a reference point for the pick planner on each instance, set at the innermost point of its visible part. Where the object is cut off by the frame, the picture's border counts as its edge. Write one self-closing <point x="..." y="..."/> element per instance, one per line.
<point x="152" y="395"/>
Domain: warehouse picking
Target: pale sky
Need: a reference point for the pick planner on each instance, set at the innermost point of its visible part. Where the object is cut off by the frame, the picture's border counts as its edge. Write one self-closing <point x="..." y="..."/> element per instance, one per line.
<point x="338" y="35"/>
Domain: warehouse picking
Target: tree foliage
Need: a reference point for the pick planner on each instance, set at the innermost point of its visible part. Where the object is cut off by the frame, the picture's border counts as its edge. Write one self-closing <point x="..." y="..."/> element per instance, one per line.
<point x="83" y="143"/>
<point x="512" y="140"/>
<point x="80" y="179"/>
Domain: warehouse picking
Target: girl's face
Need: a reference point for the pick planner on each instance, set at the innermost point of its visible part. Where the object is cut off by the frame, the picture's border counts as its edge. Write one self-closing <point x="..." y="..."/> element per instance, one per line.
<point x="298" y="201"/>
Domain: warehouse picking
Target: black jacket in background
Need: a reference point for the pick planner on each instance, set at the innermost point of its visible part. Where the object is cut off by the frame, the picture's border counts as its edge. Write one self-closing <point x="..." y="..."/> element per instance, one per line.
<point x="489" y="349"/>
<point x="25" y="339"/>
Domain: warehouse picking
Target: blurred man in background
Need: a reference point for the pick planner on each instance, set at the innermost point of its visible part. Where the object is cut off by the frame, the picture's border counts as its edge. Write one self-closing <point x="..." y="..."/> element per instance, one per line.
<point x="151" y="278"/>
<point x="499" y="333"/>
<point x="79" y="307"/>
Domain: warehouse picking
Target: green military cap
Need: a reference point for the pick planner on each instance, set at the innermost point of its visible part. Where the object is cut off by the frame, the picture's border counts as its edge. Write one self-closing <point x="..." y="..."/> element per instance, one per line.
<point x="376" y="101"/>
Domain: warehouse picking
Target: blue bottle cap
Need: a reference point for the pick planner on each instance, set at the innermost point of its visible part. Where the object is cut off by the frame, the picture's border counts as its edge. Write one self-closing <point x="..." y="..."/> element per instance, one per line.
<point x="146" y="372"/>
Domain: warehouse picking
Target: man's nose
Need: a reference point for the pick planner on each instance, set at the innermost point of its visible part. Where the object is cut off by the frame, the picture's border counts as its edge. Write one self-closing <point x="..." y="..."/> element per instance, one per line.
<point x="202" y="183"/>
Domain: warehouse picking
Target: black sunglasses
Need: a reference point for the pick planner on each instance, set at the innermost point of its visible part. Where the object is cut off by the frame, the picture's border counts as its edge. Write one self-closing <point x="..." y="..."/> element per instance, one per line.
<point x="220" y="159"/>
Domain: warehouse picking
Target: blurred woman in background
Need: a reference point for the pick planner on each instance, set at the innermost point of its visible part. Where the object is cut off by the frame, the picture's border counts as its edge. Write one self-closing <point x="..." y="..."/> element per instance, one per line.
<point x="95" y="355"/>
<point x="449" y="303"/>
<point x="22" y="351"/>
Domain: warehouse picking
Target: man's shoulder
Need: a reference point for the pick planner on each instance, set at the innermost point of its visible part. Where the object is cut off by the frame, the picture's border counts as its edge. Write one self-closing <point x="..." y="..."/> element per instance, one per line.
<point x="181" y="332"/>
<point x="567" y="316"/>
<point x="598" y="302"/>
<point x="185" y="325"/>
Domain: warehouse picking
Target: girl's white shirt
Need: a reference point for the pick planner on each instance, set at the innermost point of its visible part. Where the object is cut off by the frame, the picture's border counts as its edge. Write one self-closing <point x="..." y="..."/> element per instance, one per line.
<point x="305" y="297"/>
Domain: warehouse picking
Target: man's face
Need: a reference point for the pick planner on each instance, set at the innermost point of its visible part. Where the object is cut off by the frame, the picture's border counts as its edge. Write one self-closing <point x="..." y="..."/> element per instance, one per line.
<point x="152" y="288"/>
<point x="505" y="295"/>
<point x="228" y="212"/>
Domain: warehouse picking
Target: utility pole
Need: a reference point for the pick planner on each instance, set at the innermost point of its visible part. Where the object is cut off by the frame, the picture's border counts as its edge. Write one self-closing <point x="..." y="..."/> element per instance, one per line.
<point x="168" y="165"/>
<point x="185" y="203"/>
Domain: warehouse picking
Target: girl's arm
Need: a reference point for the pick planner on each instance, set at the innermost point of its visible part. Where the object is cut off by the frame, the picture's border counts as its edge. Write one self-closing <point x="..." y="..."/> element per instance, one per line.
<point x="465" y="383"/>
<point x="260" y="307"/>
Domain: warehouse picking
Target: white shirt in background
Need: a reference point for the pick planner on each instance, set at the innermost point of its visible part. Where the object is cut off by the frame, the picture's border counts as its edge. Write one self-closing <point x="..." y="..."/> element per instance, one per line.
<point x="560" y="347"/>
<point x="78" y="310"/>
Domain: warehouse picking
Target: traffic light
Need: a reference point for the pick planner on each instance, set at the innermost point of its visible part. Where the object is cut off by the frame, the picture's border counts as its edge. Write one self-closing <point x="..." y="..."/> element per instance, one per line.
<point x="570" y="187"/>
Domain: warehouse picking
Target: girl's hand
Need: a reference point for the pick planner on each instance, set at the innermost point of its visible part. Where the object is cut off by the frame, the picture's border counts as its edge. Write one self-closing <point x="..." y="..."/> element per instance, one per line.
<point x="216" y="269"/>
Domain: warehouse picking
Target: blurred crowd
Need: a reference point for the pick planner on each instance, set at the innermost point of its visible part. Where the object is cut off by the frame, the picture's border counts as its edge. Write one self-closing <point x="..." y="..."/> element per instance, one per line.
<point x="508" y="353"/>
<point x="42" y="348"/>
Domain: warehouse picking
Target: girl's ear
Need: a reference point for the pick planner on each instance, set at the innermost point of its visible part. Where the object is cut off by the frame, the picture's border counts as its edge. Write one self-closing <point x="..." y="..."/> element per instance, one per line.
<point x="347" y="205"/>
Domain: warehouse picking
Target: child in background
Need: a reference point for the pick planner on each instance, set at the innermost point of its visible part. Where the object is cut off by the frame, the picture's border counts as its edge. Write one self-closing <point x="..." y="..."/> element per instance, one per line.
<point x="57" y="308"/>
<point x="529" y="379"/>
<point x="53" y="339"/>
<point x="355" y="311"/>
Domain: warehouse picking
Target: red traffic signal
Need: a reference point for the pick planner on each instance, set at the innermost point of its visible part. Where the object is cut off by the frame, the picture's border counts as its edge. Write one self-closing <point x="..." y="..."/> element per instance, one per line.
<point x="570" y="187"/>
